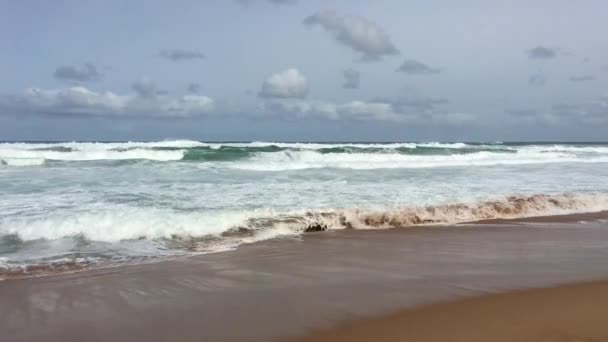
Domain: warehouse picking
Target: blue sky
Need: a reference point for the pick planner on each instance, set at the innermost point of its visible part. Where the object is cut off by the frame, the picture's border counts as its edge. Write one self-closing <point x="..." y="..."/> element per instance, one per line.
<point x="303" y="70"/>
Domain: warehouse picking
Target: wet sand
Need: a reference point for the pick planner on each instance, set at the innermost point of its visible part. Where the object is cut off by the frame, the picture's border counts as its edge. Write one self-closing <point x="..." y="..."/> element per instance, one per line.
<point x="572" y="313"/>
<point x="286" y="288"/>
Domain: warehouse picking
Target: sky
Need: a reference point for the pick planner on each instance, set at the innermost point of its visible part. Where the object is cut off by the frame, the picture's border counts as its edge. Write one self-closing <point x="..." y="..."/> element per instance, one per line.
<point x="304" y="70"/>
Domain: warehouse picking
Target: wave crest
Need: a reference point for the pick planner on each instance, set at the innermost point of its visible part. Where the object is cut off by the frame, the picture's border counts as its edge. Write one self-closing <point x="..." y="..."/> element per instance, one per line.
<point x="261" y="156"/>
<point x="137" y="223"/>
<point x="147" y="234"/>
<point x="508" y="208"/>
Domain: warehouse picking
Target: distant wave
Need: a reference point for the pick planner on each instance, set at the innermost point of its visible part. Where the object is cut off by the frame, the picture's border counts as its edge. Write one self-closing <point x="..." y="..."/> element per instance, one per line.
<point x="268" y="156"/>
<point x="288" y="160"/>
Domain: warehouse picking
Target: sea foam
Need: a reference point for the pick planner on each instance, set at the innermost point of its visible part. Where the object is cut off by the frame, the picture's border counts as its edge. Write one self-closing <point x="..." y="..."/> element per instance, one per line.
<point x="132" y="223"/>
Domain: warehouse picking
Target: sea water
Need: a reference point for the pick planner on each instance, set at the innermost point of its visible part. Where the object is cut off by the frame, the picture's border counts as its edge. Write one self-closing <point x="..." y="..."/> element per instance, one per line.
<point x="81" y="204"/>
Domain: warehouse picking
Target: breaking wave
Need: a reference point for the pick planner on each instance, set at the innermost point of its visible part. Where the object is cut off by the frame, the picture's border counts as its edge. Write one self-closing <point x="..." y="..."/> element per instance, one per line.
<point x="287" y="160"/>
<point x="153" y="223"/>
<point x="262" y="156"/>
<point x="22" y="161"/>
<point x="121" y="236"/>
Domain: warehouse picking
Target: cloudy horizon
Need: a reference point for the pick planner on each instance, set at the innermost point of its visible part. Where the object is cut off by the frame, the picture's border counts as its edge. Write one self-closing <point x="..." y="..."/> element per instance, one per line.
<point x="304" y="70"/>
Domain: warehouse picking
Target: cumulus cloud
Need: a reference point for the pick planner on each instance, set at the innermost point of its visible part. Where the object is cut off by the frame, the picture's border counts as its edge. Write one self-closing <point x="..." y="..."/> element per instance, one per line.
<point x="300" y="109"/>
<point x="412" y="67"/>
<point x="354" y="110"/>
<point x="581" y="78"/>
<point x="360" y="34"/>
<point x="405" y="110"/>
<point x="537" y="79"/>
<point x="542" y="52"/>
<point x="178" y="55"/>
<point x="363" y="110"/>
<point x="194" y="87"/>
<point x="85" y="73"/>
<point x="80" y="101"/>
<point x="73" y="100"/>
<point x="290" y="83"/>
<point x="351" y="79"/>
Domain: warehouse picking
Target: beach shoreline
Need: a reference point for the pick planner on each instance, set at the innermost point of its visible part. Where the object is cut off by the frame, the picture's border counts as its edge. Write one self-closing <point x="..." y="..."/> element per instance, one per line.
<point x="289" y="287"/>
<point x="70" y="267"/>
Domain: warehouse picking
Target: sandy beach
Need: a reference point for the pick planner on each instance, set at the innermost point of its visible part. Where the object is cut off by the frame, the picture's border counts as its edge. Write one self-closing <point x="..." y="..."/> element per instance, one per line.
<point x="570" y="313"/>
<point x="292" y="287"/>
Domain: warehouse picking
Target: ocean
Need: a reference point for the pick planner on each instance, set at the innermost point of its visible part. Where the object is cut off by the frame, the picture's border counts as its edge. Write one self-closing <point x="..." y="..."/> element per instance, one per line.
<point x="75" y="205"/>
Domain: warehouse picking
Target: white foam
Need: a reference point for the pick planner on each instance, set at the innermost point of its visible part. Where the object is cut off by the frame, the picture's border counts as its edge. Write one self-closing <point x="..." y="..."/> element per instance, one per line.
<point x="502" y="208"/>
<point x="27" y="154"/>
<point x="297" y="160"/>
<point x="318" y="146"/>
<point x="21" y="161"/>
<point x="126" y="223"/>
<point x="566" y="148"/>
<point x="103" y="146"/>
<point x="132" y="223"/>
<point x="34" y="157"/>
<point x="446" y="145"/>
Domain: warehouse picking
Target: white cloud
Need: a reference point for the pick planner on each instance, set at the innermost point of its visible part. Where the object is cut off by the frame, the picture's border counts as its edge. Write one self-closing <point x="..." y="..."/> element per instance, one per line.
<point x="411" y="111"/>
<point x="73" y="100"/>
<point x="290" y="83"/>
<point x="354" y="110"/>
<point x="300" y="109"/>
<point x="82" y="101"/>
<point x="360" y="34"/>
<point x="362" y="110"/>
